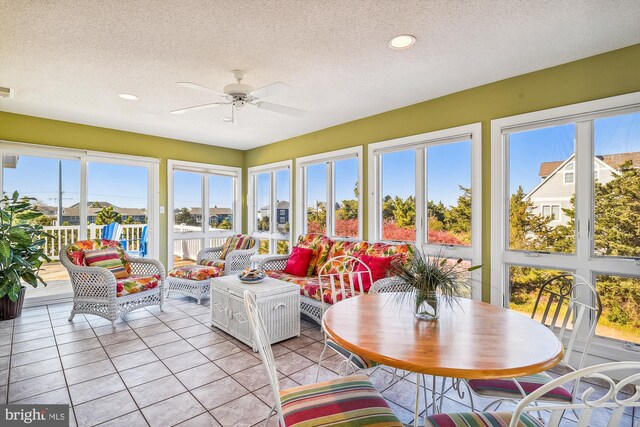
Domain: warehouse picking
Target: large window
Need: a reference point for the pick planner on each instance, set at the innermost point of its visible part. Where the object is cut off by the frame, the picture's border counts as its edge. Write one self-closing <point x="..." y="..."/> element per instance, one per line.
<point x="204" y="205"/>
<point x="426" y="189"/>
<point x="270" y="206"/>
<point x="329" y="193"/>
<point x="566" y="191"/>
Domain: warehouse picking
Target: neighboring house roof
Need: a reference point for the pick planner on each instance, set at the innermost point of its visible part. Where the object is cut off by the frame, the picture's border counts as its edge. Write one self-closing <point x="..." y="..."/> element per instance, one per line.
<point x="74" y="210"/>
<point x="612" y="160"/>
<point x="212" y="211"/>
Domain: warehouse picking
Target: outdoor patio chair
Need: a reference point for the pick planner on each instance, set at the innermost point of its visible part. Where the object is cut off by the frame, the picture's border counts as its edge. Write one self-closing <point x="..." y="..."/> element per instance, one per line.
<point x="108" y="283"/>
<point x="111" y="231"/>
<point x="231" y="258"/>
<point x="570" y="306"/>
<point x="346" y="401"/>
<point x="590" y="409"/>
<point x="142" y="245"/>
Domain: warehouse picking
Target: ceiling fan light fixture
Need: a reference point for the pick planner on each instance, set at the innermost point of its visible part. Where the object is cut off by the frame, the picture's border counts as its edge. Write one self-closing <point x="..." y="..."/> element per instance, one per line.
<point x="128" y="96"/>
<point x="402" y="41"/>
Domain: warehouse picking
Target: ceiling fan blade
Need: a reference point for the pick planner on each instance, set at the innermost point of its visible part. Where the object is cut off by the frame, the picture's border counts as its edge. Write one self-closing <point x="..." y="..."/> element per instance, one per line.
<point x="199" y="87"/>
<point x="277" y="108"/>
<point x="270" y="90"/>
<point x="198" y="107"/>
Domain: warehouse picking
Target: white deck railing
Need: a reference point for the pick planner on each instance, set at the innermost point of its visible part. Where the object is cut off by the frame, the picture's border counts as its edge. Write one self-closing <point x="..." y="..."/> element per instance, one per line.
<point x="62" y="235"/>
<point x="66" y="234"/>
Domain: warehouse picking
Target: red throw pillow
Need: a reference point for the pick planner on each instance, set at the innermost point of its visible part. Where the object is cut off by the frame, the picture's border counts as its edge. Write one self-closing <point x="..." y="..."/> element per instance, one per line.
<point x="298" y="262"/>
<point x="378" y="266"/>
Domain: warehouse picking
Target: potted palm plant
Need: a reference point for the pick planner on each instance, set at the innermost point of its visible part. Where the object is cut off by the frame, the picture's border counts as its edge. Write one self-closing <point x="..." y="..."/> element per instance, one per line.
<point x="21" y="252"/>
<point x="434" y="280"/>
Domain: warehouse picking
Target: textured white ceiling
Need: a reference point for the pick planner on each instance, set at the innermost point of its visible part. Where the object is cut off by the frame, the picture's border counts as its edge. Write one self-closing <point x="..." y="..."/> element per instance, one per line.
<point x="69" y="59"/>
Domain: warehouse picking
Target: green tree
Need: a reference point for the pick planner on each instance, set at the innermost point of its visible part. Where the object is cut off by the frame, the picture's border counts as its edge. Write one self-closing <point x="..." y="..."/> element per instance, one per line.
<point x="348" y="210"/>
<point x="183" y="216"/>
<point x="617" y="214"/>
<point x="107" y="215"/>
<point x="404" y="211"/>
<point x="225" y="224"/>
<point x="317" y="215"/>
<point x="527" y="231"/>
<point x="436" y="211"/>
<point x="458" y="218"/>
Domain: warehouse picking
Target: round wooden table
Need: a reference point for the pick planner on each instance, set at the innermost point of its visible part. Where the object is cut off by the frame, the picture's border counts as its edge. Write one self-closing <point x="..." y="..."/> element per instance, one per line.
<point x="472" y="341"/>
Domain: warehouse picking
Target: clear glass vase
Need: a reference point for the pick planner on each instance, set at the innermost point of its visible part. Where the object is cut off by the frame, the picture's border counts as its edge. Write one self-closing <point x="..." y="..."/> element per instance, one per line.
<point x="427" y="306"/>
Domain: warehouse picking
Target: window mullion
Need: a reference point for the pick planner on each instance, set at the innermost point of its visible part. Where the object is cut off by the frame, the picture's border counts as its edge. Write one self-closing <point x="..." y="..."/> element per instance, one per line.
<point x="420" y="192"/>
<point x="330" y="192"/>
<point x="205" y="210"/>
<point x="584" y="190"/>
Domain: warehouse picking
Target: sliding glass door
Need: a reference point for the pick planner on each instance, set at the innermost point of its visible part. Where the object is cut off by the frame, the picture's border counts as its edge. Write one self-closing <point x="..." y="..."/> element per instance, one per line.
<point x="79" y="193"/>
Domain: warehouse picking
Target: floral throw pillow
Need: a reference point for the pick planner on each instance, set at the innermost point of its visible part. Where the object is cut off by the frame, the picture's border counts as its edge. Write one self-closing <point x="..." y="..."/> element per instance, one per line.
<point x="320" y="246"/>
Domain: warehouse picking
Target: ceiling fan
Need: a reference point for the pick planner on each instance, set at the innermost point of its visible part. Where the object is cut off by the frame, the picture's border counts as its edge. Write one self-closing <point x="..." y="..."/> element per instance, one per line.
<point x="239" y="95"/>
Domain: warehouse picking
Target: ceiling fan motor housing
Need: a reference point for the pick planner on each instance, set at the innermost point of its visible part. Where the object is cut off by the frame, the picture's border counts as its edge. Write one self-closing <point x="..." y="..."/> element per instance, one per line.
<point x="237" y="90"/>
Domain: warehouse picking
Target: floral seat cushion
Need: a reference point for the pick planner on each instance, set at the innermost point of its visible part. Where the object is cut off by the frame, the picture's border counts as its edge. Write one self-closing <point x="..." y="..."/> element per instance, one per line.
<point x="309" y="286"/>
<point x="399" y="251"/>
<point x="479" y="419"/>
<point x="136" y="283"/>
<point x="506" y="387"/>
<point x="75" y="252"/>
<point x="196" y="272"/>
<point x="348" y="401"/>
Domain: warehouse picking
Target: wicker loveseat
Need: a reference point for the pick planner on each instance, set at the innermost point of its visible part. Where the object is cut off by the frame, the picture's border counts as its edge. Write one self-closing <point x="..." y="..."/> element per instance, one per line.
<point x="324" y="249"/>
<point x="96" y="289"/>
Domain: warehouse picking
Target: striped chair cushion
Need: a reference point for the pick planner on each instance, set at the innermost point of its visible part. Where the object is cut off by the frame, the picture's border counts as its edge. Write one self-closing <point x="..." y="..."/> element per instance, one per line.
<point x="507" y="388"/>
<point x="479" y="419"/>
<point x="359" y="361"/>
<point x="234" y="243"/>
<point x="106" y="258"/>
<point x="348" y="401"/>
<point x="213" y="263"/>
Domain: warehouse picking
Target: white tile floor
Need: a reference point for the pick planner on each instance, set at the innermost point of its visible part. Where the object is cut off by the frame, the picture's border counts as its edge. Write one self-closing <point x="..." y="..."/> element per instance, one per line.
<point x="163" y="368"/>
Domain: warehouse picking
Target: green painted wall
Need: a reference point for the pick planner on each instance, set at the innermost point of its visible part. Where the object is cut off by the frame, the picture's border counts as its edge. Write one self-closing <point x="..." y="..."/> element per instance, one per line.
<point x="609" y="74"/>
<point x="34" y="130"/>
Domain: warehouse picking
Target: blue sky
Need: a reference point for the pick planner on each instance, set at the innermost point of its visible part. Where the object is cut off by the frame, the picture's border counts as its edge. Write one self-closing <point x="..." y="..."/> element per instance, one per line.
<point x="448" y="166"/>
<point x="264" y="185"/>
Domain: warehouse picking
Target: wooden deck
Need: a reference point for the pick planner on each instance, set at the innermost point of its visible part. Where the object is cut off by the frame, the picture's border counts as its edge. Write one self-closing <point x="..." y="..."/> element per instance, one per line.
<point x="58" y="287"/>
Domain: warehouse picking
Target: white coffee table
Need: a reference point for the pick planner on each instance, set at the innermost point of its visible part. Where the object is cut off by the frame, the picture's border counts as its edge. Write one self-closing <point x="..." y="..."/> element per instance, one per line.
<point x="278" y="302"/>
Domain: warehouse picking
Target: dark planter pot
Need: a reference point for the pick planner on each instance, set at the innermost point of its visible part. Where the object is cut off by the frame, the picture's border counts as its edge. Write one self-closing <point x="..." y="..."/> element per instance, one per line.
<point x="10" y="309"/>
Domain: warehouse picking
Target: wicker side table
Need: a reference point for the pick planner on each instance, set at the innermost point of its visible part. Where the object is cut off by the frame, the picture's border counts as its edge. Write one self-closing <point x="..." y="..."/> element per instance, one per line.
<point x="278" y="302"/>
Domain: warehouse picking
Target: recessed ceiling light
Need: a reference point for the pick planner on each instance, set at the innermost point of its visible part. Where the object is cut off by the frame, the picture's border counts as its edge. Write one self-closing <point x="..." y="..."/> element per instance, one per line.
<point x="128" y="96"/>
<point x="403" y="41"/>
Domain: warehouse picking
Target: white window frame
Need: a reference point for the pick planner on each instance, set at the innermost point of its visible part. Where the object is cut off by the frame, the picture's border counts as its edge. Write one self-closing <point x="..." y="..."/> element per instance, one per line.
<point x="87" y="156"/>
<point x="582" y="261"/>
<point x="205" y="234"/>
<point x="420" y="143"/>
<point x="551" y="206"/>
<point x="572" y="172"/>
<point x="301" y="184"/>
<point x="272" y="235"/>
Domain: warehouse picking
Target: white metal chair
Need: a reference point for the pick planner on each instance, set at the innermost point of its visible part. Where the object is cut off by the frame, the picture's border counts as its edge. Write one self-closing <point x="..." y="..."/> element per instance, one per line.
<point x="610" y="405"/>
<point x="95" y="289"/>
<point x="570" y="308"/>
<point x="345" y="401"/>
<point x="340" y="285"/>
<point x="194" y="280"/>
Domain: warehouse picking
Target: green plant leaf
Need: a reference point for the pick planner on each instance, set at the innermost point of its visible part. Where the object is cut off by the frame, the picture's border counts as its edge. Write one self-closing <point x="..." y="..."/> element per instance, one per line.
<point x="475" y="267"/>
<point x="29" y="215"/>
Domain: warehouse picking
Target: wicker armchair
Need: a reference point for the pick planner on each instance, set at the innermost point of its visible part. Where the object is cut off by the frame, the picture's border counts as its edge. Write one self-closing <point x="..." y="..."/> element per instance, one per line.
<point x="95" y="288"/>
<point x="235" y="261"/>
